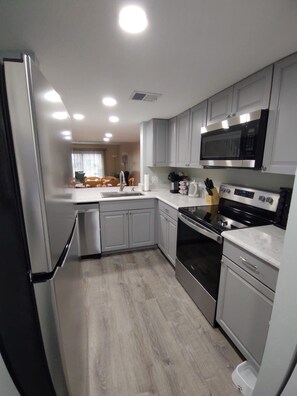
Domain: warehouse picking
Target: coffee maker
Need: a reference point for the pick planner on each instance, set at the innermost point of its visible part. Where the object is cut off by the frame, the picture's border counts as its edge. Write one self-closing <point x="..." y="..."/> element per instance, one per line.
<point x="174" y="179"/>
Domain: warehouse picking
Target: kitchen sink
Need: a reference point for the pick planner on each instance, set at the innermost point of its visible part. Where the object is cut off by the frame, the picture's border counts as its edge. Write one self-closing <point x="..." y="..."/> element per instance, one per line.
<point x="120" y="194"/>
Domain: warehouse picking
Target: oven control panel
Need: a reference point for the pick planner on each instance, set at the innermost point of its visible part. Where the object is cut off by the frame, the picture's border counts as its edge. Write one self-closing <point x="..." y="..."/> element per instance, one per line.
<point x="261" y="199"/>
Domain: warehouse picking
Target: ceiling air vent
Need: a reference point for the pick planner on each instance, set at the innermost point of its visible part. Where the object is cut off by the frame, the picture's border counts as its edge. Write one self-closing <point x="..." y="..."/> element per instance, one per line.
<point x="144" y="96"/>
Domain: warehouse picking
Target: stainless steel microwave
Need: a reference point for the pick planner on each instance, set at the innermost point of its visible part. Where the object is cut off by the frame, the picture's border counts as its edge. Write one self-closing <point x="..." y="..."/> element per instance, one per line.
<point x="235" y="142"/>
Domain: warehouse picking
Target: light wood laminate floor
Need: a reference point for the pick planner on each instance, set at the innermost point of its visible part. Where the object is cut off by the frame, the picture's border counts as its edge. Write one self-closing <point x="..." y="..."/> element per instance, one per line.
<point x="146" y="336"/>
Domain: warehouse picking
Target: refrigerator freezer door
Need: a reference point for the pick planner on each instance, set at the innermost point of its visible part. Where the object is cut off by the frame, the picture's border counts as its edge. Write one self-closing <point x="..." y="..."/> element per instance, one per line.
<point x="43" y="159"/>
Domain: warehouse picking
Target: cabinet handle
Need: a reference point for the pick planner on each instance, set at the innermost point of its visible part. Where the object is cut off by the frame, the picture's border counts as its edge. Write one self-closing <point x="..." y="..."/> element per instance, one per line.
<point x="250" y="265"/>
<point x="263" y="168"/>
<point x="166" y="210"/>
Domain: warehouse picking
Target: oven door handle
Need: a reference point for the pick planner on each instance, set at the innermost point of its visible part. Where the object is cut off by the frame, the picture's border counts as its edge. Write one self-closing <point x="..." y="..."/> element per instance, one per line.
<point x="200" y="228"/>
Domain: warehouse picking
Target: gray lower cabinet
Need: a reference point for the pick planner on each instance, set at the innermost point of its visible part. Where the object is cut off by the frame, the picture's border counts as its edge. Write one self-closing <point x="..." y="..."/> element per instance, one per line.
<point x="280" y="155"/>
<point x="128" y="228"/>
<point x="114" y="230"/>
<point x="249" y="94"/>
<point x="167" y="231"/>
<point x="244" y="306"/>
<point x="141" y="227"/>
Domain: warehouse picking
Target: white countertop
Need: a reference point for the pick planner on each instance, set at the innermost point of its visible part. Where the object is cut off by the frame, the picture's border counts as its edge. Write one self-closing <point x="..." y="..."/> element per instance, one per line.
<point x="83" y="195"/>
<point x="265" y="242"/>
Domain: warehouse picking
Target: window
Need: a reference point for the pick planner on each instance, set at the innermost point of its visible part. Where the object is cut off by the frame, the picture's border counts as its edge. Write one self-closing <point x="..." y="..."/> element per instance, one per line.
<point x="91" y="162"/>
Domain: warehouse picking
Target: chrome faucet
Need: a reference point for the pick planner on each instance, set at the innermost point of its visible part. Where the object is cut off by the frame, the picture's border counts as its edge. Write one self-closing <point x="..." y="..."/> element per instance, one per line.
<point x="122" y="181"/>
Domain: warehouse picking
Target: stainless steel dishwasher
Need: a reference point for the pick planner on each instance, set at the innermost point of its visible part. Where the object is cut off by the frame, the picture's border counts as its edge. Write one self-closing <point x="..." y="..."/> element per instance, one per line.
<point x="89" y="230"/>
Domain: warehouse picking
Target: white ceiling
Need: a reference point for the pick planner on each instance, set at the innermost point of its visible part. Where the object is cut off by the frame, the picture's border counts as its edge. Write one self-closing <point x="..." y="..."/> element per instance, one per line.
<point x="191" y="50"/>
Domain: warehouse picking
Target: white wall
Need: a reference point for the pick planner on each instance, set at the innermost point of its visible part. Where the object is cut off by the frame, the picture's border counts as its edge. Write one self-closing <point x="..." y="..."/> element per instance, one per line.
<point x="7" y="387"/>
<point x="282" y="337"/>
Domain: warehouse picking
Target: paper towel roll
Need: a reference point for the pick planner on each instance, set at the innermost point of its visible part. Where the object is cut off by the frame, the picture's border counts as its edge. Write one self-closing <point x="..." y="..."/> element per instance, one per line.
<point x="146" y="186"/>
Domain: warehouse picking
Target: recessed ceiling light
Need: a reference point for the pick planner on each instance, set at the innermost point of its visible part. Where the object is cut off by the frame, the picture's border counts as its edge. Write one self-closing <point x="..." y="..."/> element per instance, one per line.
<point x="132" y="19"/>
<point x="106" y="139"/>
<point x="66" y="133"/>
<point x="53" y="96"/>
<point x="60" y="115"/>
<point x="114" y="119"/>
<point x="68" y="137"/>
<point x="108" y="135"/>
<point x="109" y="101"/>
<point x="78" y="116"/>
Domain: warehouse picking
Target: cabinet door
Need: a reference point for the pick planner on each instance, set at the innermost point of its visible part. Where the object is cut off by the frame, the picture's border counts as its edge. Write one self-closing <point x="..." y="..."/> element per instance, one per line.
<point x="280" y="155"/>
<point x="160" y="142"/>
<point x="182" y="130"/>
<point x="163" y="232"/>
<point x="219" y="106"/>
<point x="197" y="121"/>
<point x="172" y="235"/>
<point x="141" y="228"/>
<point x="171" y="149"/>
<point x="252" y="93"/>
<point x="244" y="310"/>
<point x="114" y="230"/>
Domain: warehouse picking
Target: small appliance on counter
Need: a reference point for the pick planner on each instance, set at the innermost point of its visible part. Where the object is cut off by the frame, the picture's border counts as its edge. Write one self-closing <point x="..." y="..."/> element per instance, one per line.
<point x="174" y="178"/>
<point x="193" y="189"/>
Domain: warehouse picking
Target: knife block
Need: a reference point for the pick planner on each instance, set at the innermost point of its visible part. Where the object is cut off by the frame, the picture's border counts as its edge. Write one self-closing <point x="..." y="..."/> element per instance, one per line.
<point x="214" y="198"/>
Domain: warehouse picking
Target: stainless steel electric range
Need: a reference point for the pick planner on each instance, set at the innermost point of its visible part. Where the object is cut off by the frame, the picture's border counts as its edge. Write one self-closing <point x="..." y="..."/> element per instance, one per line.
<point x="200" y="244"/>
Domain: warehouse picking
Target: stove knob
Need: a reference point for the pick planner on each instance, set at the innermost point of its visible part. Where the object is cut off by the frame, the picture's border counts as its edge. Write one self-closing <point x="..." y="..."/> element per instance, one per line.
<point x="228" y="191"/>
<point x="269" y="200"/>
<point x="262" y="198"/>
<point x="223" y="223"/>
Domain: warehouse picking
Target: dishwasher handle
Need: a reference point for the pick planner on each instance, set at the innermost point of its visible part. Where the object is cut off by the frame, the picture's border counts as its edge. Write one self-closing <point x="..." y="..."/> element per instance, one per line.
<point x="200" y="228"/>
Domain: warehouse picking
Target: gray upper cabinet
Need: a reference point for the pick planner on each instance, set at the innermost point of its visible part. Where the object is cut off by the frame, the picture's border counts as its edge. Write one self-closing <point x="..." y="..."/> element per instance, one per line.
<point x="188" y="130"/>
<point x="155" y="141"/>
<point x="171" y="147"/>
<point x="197" y="121"/>
<point x="280" y="155"/>
<point x="182" y="132"/>
<point x="249" y="94"/>
<point x="252" y="93"/>
<point x="219" y="106"/>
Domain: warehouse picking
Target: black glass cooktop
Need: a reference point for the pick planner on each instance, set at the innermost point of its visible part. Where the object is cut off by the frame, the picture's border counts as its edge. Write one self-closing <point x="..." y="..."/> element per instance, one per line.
<point x="208" y="215"/>
<point x="228" y="215"/>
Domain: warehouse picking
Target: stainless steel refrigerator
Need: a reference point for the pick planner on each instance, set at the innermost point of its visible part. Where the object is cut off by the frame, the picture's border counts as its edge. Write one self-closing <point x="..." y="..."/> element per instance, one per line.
<point x="43" y="333"/>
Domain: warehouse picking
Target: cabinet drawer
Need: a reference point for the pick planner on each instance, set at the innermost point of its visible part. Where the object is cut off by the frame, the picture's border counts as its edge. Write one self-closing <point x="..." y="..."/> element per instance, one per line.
<point x="261" y="270"/>
<point x="127" y="205"/>
<point x="168" y="210"/>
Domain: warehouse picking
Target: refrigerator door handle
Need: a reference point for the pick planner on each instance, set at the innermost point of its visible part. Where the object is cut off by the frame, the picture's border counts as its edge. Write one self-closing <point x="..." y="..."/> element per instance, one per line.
<point x="39" y="277"/>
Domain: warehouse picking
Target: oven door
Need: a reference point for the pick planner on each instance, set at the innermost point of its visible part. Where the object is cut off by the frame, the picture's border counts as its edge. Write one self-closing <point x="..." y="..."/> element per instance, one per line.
<point x="199" y="250"/>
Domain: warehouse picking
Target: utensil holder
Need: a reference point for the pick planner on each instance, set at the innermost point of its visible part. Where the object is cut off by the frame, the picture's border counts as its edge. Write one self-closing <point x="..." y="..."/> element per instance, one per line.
<point x="214" y="198"/>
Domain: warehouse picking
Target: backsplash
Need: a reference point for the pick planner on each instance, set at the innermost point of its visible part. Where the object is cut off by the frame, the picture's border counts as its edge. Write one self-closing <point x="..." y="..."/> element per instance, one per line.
<point x="244" y="177"/>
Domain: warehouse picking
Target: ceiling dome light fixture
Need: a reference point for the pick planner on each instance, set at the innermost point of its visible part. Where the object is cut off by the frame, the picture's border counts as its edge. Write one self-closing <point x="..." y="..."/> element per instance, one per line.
<point x="60" y="115"/>
<point x="114" y="118"/>
<point x="132" y="19"/>
<point x="66" y="133"/>
<point x="68" y="138"/>
<point x="53" y="96"/>
<point x="106" y="139"/>
<point x="78" y="116"/>
<point x="108" y="134"/>
<point x="108" y="101"/>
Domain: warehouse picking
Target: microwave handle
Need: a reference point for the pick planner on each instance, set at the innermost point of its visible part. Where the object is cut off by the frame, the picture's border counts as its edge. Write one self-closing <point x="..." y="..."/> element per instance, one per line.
<point x="200" y="228"/>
